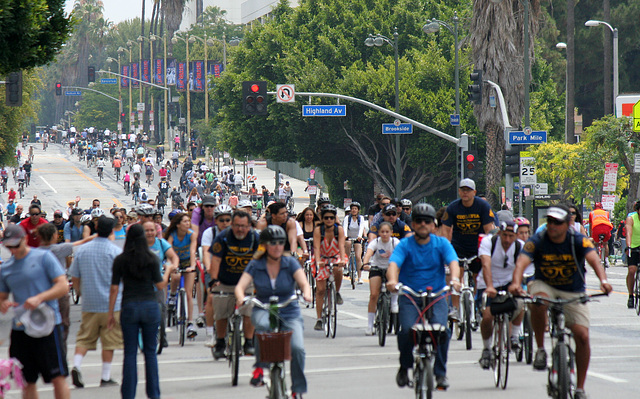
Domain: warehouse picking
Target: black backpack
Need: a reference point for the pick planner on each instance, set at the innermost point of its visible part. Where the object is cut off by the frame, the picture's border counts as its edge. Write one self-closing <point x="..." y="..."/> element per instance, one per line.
<point x="494" y="242"/>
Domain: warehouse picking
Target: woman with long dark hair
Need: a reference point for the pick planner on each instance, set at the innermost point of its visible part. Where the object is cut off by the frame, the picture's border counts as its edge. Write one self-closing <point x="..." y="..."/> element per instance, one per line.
<point x="137" y="269"/>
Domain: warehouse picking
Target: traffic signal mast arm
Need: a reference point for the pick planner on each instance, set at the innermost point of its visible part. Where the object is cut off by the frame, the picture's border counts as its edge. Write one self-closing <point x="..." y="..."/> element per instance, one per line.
<point x="87" y="88"/>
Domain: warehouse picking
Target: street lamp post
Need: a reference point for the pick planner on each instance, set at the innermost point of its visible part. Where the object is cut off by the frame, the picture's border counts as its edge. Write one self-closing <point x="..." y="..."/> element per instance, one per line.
<point x="174" y="40"/>
<point x="166" y="102"/>
<point x="206" y="44"/>
<point x="593" y="22"/>
<point x="110" y="59"/>
<point x="378" y="41"/>
<point x="563" y="46"/>
<point x="120" y="50"/>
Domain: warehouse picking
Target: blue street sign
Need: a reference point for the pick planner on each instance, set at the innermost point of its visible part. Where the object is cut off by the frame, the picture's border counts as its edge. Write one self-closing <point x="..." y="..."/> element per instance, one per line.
<point x="454" y="119"/>
<point x="402" y="128"/>
<point x="109" y="81"/>
<point x="516" y="186"/>
<point x="536" y="137"/>
<point x="73" y="93"/>
<point x="324" y="110"/>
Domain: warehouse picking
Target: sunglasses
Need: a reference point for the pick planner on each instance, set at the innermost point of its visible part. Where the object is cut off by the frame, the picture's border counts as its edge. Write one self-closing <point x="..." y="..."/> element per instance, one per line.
<point x="276" y="242"/>
<point x="423" y="220"/>
<point x="34" y="214"/>
<point x="57" y="216"/>
<point x="573" y="213"/>
<point x="224" y="220"/>
<point x="406" y="209"/>
<point x="328" y="218"/>
<point x="391" y="214"/>
<point x="208" y="206"/>
<point x="554" y="221"/>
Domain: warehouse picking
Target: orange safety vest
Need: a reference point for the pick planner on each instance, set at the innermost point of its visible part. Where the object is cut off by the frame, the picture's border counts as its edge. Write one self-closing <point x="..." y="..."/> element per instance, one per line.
<point x="600" y="216"/>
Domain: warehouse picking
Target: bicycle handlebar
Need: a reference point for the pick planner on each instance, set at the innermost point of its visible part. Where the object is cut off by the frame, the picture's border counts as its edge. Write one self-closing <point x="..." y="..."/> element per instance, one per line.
<point x="273" y="300"/>
<point x="559" y="301"/>
<point x="467" y="260"/>
<point x="427" y="293"/>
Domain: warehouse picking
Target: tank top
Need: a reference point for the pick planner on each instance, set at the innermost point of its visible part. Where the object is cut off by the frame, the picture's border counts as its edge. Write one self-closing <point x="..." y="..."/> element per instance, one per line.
<point x="182" y="248"/>
<point x="635" y="237"/>
<point x="306" y="234"/>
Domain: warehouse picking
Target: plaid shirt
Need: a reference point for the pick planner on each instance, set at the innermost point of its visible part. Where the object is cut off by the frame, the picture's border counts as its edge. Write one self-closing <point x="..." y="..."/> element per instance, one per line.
<point x="93" y="265"/>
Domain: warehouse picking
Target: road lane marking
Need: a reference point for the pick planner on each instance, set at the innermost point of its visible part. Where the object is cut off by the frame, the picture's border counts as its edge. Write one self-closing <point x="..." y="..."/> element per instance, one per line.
<point x="90" y="180"/>
<point x="50" y="186"/>
<point x="118" y="203"/>
<point x="606" y="377"/>
<point x="357" y="316"/>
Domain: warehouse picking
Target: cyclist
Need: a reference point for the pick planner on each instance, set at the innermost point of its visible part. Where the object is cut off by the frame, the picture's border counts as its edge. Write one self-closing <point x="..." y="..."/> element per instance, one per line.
<point x="22" y="177"/>
<point x="175" y="155"/>
<point x="419" y="262"/>
<point x="632" y="227"/>
<point x="378" y="216"/>
<point x="328" y="244"/>
<point x="135" y="188"/>
<point x="600" y="224"/>
<point x="27" y="169"/>
<point x="128" y="154"/>
<point x="280" y="217"/>
<point x="405" y="215"/>
<point x="127" y="182"/>
<point x="558" y="254"/>
<point x="162" y="172"/>
<point x="4" y="175"/>
<point x="100" y="165"/>
<point x="136" y="169"/>
<point x="378" y="253"/>
<point x="353" y="225"/>
<point x="117" y="164"/>
<point x="498" y="254"/>
<point x="390" y="214"/>
<point x="259" y="274"/>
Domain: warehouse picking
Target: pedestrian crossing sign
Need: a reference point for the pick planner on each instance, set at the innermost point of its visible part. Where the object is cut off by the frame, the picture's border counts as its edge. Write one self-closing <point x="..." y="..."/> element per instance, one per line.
<point x="636" y="117"/>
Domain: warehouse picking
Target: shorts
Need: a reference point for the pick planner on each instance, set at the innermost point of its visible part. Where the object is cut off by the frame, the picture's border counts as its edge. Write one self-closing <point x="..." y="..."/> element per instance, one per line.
<point x="634" y="258"/>
<point x="601" y="229"/>
<point x="376" y="273"/>
<point x="225" y="305"/>
<point x="487" y="303"/>
<point x="40" y="356"/>
<point x="575" y="313"/>
<point x="94" y="326"/>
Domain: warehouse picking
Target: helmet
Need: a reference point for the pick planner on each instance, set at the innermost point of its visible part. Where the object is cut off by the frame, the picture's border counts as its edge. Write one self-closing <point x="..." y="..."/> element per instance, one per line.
<point x="173" y="213"/>
<point x="521" y="221"/>
<point x="145" y="210"/>
<point x="406" y="202"/>
<point x="223" y="209"/>
<point x="96" y="213"/>
<point x="85" y="218"/>
<point x="323" y="200"/>
<point x="598" y="205"/>
<point x="272" y="233"/>
<point x="354" y="203"/>
<point x="328" y="209"/>
<point x="244" y="204"/>
<point x="423" y="210"/>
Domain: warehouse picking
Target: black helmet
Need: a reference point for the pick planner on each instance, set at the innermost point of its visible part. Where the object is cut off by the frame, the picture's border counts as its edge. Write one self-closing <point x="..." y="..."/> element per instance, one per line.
<point x="328" y="209"/>
<point x="355" y="203"/>
<point x="423" y="210"/>
<point x="323" y="200"/>
<point x="272" y="233"/>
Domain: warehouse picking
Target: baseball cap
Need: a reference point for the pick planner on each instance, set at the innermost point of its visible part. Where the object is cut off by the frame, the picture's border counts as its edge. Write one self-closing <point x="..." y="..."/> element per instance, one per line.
<point x="390" y="208"/>
<point x="558" y="213"/>
<point x="38" y="322"/>
<point x="12" y="235"/>
<point x="208" y="200"/>
<point x="57" y="213"/>
<point x="508" y="225"/>
<point x="467" y="183"/>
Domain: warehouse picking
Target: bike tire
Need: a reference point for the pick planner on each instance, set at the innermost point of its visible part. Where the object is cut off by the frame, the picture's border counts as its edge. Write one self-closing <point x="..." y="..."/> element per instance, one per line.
<point x="497" y="346"/>
<point x="182" y="315"/>
<point x="428" y="371"/>
<point x="326" y="311"/>
<point x="561" y="366"/>
<point x="504" y="355"/>
<point x="235" y="351"/>
<point x="381" y="316"/>
<point x="74" y="296"/>
<point x="352" y="270"/>
<point x="277" y="388"/>
<point x="333" y="319"/>
<point x="467" y="319"/>
<point x="528" y="338"/>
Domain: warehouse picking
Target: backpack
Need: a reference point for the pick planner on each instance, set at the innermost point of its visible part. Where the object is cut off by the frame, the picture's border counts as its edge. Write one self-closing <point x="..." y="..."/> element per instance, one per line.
<point x="231" y="178"/>
<point x="322" y="230"/>
<point x="349" y="220"/>
<point x="494" y="242"/>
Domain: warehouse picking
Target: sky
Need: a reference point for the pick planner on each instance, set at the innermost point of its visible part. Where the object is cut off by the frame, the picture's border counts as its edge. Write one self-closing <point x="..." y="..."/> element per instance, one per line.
<point x="119" y="10"/>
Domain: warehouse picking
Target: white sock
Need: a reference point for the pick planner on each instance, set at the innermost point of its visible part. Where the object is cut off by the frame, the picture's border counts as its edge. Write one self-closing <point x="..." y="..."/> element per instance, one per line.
<point x="106" y="371"/>
<point x="77" y="361"/>
<point x="209" y="331"/>
<point x="515" y="331"/>
<point x="486" y="343"/>
<point x="370" y="317"/>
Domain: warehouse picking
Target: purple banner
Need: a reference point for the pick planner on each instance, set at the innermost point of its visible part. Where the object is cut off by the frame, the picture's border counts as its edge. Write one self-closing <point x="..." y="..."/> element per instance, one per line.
<point x="171" y="72"/>
<point x="181" y="76"/>
<point x="124" y="70"/>
<point x="135" y="74"/>
<point x="158" y="71"/>
<point x="146" y="71"/>
<point x="215" y="69"/>
<point x="199" y="79"/>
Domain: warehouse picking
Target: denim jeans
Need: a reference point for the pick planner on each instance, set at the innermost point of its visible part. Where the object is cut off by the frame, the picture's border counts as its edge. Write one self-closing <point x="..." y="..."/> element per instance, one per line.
<point x="408" y="315"/>
<point x="260" y="320"/>
<point x="135" y="317"/>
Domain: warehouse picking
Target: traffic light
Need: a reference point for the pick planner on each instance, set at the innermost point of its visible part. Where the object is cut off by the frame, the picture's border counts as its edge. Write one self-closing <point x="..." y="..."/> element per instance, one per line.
<point x="91" y="74"/>
<point x="471" y="165"/>
<point x="475" y="88"/>
<point x="58" y="89"/>
<point x="512" y="161"/>
<point x="122" y="116"/>
<point x="13" y="87"/>
<point x="254" y="98"/>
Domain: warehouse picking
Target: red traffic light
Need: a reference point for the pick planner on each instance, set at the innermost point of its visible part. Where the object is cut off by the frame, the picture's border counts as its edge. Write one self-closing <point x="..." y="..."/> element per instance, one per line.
<point x="58" y="85"/>
<point x="255" y="88"/>
<point x="470" y="158"/>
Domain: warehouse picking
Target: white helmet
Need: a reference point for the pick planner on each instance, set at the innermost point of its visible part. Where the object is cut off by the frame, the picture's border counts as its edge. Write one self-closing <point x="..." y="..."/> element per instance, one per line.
<point x="223" y="209"/>
<point x="85" y="218"/>
<point x="96" y="213"/>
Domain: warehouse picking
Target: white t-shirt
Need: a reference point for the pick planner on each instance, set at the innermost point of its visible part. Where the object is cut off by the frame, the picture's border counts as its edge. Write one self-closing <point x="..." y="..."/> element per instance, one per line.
<point x="500" y="274"/>
<point x="353" y="229"/>
<point x="238" y="180"/>
<point x="382" y="251"/>
<point x="136" y="168"/>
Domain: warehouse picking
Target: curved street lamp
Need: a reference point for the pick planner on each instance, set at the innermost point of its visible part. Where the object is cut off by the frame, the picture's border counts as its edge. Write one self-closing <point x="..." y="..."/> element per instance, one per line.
<point x="185" y="39"/>
<point x="614" y="31"/>
<point x="120" y="51"/>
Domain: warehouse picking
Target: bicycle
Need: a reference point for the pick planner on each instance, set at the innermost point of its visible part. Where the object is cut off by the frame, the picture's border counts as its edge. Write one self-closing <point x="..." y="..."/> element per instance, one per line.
<point x="100" y="173"/>
<point x="382" y="320"/>
<point x="149" y="180"/>
<point x="275" y="346"/>
<point x="427" y="337"/>
<point x="352" y="268"/>
<point x="502" y="308"/>
<point x="117" y="170"/>
<point x="234" y="341"/>
<point x="526" y="334"/>
<point x="330" y="305"/>
<point x="310" y="273"/>
<point x="4" y="184"/>
<point x="601" y="250"/>
<point x="636" y="288"/>
<point x="561" y="379"/>
<point x="469" y="322"/>
<point x="177" y="315"/>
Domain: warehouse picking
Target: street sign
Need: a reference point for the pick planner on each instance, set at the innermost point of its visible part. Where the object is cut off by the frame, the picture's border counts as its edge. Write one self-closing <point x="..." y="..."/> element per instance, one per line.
<point x="528" y="170"/>
<point x="636" y="163"/>
<point x="492" y="101"/>
<point x="552" y="197"/>
<point x="636" y="117"/>
<point x="324" y="110"/>
<point x="392" y="128"/>
<point x="285" y="93"/>
<point x="541" y="188"/>
<point x="454" y="119"/>
<point x="528" y="137"/>
<point x="251" y="164"/>
<point x="73" y="93"/>
<point x="109" y="81"/>
<point x="182" y="121"/>
<point x="140" y="106"/>
<point x="516" y="186"/>
<point x="610" y="177"/>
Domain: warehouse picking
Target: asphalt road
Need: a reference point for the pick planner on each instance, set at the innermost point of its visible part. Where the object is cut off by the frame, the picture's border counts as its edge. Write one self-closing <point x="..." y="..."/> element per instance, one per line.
<point x="352" y="365"/>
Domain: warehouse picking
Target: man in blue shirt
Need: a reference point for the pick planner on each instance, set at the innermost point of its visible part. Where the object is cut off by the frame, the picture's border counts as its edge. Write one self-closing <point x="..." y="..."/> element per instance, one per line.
<point x="419" y="262"/>
<point x="73" y="229"/>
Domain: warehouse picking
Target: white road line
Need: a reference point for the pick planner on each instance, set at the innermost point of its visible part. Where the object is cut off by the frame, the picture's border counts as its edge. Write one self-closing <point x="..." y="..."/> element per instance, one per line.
<point x="50" y="186"/>
<point x="606" y="377"/>
<point x="357" y="316"/>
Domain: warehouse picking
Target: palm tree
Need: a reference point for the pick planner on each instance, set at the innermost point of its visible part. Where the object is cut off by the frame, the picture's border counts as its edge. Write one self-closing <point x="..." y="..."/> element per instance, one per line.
<point x="497" y="40"/>
<point x="172" y="11"/>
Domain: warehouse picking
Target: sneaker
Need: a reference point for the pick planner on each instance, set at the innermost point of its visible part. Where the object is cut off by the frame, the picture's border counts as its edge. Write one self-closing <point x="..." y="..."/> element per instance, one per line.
<point x="210" y="342"/>
<point x="109" y="383"/>
<point x="318" y="326"/>
<point x="442" y="384"/>
<point x="540" y="362"/>
<point x="191" y="331"/>
<point x="257" y="380"/>
<point x="368" y="331"/>
<point x="515" y="344"/>
<point x="248" y="348"/>
<point x="394" y="307"/>
<point x="296" y="395"/>
<point x="630" y="302"/>
<point x="164" y="343"/>
<point x="76" y="377"/>
<point x="360" y="282"/>
<point x="453" y="314"/>
<point x="485" y="359"/>
<point x="200" y="322"/>
<point x="218" y="352"/>
<point x="402" y="378"/>
<point x="339" y="300"/>
<point x="579" y="394"/>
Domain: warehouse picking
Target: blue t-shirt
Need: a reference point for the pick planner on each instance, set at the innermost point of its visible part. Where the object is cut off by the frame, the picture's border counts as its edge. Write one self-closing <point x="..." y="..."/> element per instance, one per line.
<point x="400" y="228"/>
<point x="467" y="224"/>
<point x="235" y="254"/>
<point x="285" y="283"/>
<point x="31" y="276"/>
<point x="554" y="263"/>
<point x="422" y="266"/>
<point x="160" y="248"/>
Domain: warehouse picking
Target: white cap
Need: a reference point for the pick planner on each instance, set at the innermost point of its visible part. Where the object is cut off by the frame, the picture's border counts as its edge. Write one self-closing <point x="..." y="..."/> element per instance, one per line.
<point x="38" y="322"/>
<point x="467" y="183"/>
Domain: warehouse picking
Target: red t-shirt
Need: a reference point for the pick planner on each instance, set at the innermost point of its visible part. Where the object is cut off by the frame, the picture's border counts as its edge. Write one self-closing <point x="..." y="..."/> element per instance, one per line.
<point x="12" y="195"/>
<point x="32" y="238"/>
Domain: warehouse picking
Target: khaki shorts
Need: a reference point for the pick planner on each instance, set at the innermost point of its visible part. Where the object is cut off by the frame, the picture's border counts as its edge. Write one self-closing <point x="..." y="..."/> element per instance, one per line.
<point x="574" y="313"/>
<point x="94" y="326"/>
<point x="225" y="305"/>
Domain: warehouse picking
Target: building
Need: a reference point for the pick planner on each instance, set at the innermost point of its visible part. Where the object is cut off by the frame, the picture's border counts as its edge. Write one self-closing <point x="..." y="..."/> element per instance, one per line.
<point x="238" y="11"/>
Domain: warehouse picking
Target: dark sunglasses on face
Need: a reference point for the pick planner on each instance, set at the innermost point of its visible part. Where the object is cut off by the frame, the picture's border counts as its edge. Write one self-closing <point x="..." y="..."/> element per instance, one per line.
<point x="391" y="214"/>
<point x="328" y="218"/>
<point x="276" y="242"/>
<point x="423" y="220"/>
<point x="12" y="246"/>
<point x="573" y="213"/>
<point x="406" y="209"/>
<point x="224" y="220"/>
<point x="34" y="214"/>
<point x="554" y="221"/>
<point x="208" y="206"/>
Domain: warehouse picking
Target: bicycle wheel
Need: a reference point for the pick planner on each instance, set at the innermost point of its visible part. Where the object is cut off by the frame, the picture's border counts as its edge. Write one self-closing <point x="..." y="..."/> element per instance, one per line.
<point x="182" y="315"/>
<point x="636" y="295"/>
<point x="504" y="353"/>
<point x="466" y="300"/>
<point x="382" y="315"/>
<point x="162" y="336"/>
<point x="428" y="367"/>
<point x="277" y="388"/>
<point x="74" y="296"/>
<point x="528" y="338"/>
<point x="496" y="348"/>
<point x="326" y="310"/>
<point x="333" y="318"/>
<point x="420" y="380"/>
<point x="561" y="367"/>
<point x="235" y="351"/>
<point x="352" y="270"/>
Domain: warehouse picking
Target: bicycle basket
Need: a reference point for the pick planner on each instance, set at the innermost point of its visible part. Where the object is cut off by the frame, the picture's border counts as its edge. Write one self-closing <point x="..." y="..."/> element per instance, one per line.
<point x="435" y="334"/>
<point x="503" y="304"/>
<point x="274" y="346"/>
